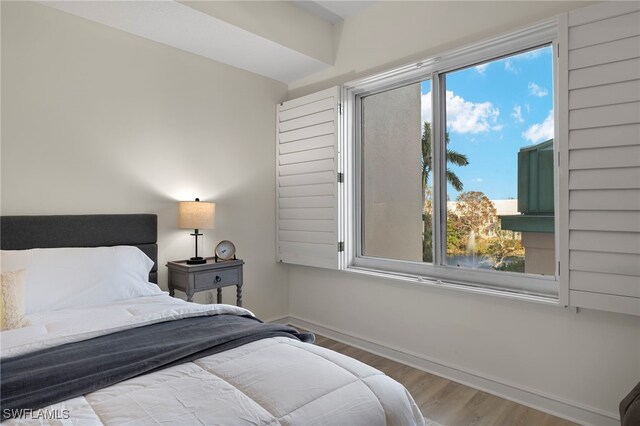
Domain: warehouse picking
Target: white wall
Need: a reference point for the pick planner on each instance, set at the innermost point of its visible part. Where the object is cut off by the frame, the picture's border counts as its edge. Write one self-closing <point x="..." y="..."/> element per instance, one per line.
<point x="95" y="120"/>
<point x="393" y="33"/>
<point x="588" y="360"/>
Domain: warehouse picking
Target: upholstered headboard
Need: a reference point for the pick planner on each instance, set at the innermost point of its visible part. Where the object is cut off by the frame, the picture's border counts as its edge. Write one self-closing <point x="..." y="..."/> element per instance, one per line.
<point x="25" y="232"/>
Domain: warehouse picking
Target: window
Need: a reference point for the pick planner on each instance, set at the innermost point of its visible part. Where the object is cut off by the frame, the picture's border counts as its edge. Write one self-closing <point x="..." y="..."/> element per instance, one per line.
<point x="497" y="166"/>
<point x="454" y="175"/>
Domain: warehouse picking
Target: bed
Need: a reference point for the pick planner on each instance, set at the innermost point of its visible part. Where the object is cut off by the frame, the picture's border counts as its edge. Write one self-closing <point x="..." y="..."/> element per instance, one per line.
<point x="114" y="349"/>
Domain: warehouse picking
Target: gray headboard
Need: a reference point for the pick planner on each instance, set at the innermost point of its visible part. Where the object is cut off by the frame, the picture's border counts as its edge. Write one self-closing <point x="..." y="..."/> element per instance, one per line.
<point x="95" y="230"/>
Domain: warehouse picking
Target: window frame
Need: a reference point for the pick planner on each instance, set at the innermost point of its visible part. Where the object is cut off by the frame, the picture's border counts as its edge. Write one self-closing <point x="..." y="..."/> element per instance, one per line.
<point x="524" y="286"/>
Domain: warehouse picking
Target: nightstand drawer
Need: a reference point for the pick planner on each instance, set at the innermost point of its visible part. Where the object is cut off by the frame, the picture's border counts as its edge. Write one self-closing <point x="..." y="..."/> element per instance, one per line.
<point x="215" y="279"/>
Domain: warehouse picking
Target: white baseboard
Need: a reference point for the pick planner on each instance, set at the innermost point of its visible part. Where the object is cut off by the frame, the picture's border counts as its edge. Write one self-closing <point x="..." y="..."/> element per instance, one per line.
<point x="568" y="410"/>
<point x="279" y="320"/>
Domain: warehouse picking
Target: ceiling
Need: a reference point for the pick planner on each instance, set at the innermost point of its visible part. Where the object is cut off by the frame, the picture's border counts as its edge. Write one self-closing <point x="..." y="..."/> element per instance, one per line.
<point x="333" y="11"/>
<point x="176" y="24"/>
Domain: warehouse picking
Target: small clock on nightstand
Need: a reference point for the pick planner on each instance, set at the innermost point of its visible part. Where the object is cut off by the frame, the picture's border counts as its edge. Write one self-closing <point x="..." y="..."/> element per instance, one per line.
<point x="225" y="250"/>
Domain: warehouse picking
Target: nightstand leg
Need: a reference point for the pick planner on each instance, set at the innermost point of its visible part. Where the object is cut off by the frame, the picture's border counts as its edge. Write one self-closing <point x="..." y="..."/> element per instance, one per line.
<point x="239" y="295"/>
<point x="219" y="295"/>
<point x="190" y="297"/>
<point x="171" y="291"/>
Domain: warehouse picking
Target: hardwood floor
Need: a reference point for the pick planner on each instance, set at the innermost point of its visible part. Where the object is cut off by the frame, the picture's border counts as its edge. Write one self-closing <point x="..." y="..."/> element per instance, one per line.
<point x="447" y="402"/>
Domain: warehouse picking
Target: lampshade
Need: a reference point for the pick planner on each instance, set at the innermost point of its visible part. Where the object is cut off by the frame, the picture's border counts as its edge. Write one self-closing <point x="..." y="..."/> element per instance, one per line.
<point x="196" y="215"/>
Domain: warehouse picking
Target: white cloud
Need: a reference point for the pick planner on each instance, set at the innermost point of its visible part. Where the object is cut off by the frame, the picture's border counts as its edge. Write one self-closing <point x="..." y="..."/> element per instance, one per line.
<point x="426" y="107"/>
<point x="482" y="68"/>
<point x="476" y="180"/>
<point x="517" y="114"/>
<point x="469" y="117"/>
<point x="509" y="66"/>
<point x="538" y="91"/>
<point x="464" y="116"/>
<point x="540" y="132"/>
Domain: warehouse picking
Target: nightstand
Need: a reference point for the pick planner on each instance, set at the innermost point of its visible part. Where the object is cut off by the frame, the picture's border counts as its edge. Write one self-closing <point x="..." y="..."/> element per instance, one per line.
<point x="207" y="276"/>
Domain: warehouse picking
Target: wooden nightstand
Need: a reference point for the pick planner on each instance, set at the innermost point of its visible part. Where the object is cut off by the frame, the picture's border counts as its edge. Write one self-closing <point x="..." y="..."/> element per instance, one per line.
<point x="207" y="276"/>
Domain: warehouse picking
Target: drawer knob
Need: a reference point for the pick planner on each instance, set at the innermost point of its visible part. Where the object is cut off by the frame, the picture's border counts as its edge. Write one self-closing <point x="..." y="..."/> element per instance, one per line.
<point x="218" y="279"/>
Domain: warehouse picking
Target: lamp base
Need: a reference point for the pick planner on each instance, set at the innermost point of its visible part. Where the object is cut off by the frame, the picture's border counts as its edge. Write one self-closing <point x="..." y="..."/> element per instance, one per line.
<point x="196" y="261"/>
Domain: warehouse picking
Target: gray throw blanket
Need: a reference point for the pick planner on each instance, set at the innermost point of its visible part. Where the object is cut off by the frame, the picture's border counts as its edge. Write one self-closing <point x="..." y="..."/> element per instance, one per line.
<point x="45" y="377"/>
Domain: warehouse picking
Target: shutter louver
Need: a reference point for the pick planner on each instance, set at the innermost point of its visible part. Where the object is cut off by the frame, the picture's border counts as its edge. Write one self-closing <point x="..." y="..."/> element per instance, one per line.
<point x="306" y="180"/>
<point x="604" y="157"/>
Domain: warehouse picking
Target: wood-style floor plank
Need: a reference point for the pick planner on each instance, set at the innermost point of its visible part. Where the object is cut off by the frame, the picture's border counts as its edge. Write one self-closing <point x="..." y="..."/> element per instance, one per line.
<point x="448" y="402"/>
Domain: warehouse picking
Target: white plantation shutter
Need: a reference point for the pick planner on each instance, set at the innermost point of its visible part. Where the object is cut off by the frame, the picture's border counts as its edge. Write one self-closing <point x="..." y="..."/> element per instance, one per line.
<point x="307" y="180"/>
<point x="604" y="157"/>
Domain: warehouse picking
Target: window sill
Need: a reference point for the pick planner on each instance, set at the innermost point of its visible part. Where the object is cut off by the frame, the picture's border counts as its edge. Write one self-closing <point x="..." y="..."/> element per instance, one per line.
<point x="468" y="288"/>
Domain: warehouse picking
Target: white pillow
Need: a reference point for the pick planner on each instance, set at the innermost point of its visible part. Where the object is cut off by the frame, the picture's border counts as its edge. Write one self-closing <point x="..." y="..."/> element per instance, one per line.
<point x="59" y="278"/>
<point x="12" y="300"/>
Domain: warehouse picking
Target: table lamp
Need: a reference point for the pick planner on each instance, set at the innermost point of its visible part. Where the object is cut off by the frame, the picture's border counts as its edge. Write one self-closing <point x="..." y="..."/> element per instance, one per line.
<point x="196" y="215"/>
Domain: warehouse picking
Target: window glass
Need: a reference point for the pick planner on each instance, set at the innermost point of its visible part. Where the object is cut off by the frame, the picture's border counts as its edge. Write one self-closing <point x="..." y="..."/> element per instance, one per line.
<point x="396" y="215"/>
<point x="500" y="164"/>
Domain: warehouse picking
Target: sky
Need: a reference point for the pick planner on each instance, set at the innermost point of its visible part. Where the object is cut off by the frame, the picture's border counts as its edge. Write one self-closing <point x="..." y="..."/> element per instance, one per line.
<point x="493" y="110"/>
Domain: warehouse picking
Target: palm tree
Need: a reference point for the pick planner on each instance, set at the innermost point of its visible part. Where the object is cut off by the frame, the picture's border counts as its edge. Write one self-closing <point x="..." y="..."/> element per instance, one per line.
<point x="453" y="157"/>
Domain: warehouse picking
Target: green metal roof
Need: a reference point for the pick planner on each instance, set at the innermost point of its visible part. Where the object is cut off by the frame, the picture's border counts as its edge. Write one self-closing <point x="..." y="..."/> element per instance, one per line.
<point x="535" y="190"/>
<point x="546" y="145"/>
<point x="527" y="223"/>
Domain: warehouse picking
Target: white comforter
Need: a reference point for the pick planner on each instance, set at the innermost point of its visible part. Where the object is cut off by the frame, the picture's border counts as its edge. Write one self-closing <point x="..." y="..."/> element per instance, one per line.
<point x="277" y="381"/>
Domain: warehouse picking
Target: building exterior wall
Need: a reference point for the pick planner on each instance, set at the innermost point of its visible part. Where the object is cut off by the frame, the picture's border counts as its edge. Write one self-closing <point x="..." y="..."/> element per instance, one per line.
<point x="391" y="174"/>
<point x="540" y="254"/>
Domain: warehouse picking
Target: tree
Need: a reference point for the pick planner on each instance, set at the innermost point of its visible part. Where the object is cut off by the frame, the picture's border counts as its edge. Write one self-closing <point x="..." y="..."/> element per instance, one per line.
<point x="453" y="157"/>
<point x="455" y="235"/>
<point x="505" y="244"/>
<point x="476" y="212"/>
